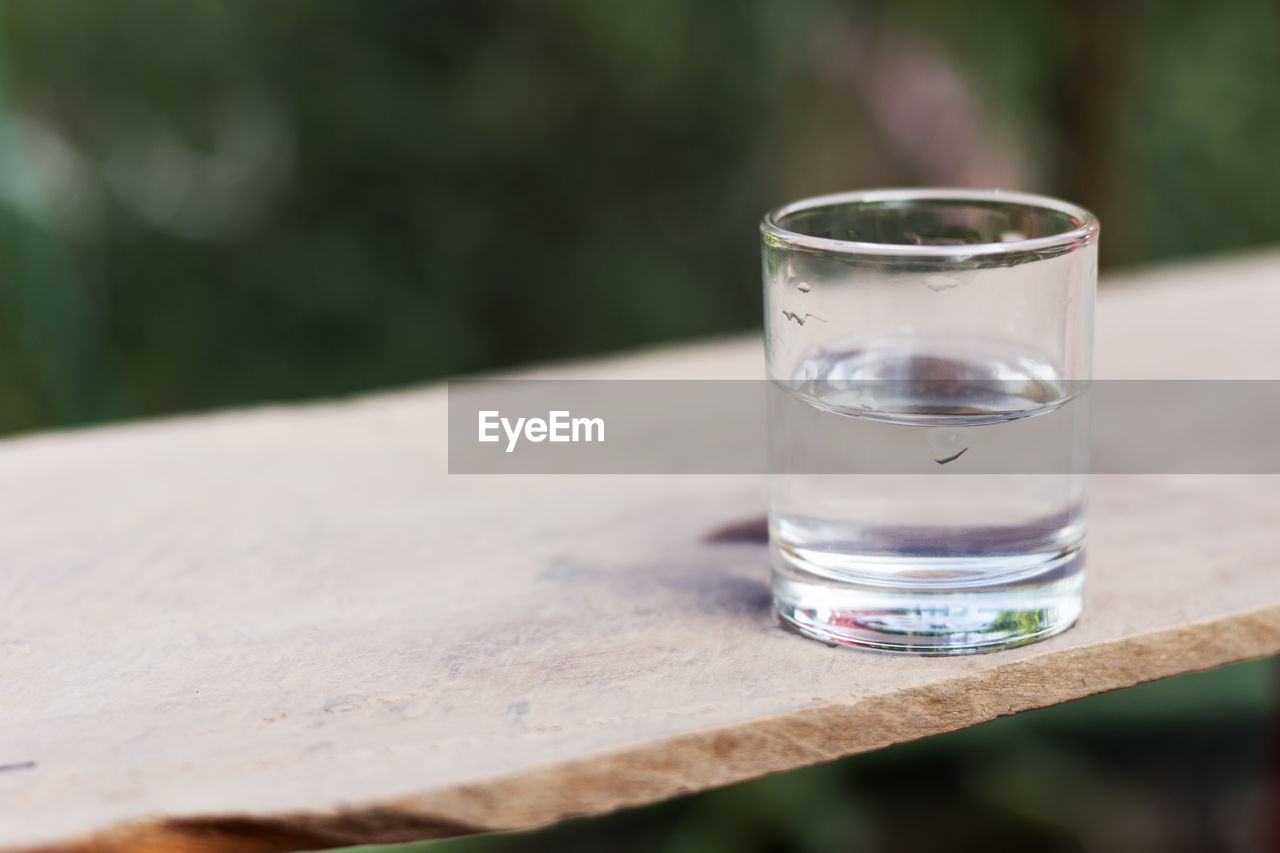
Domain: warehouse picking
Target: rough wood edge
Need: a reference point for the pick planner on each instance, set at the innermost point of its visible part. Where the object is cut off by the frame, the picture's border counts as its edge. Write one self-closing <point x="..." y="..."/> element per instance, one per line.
<point x="699" y="761"/>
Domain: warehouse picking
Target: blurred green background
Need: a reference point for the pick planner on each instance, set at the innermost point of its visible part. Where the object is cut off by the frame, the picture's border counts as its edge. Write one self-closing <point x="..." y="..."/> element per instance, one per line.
<point x="213" y="203"/>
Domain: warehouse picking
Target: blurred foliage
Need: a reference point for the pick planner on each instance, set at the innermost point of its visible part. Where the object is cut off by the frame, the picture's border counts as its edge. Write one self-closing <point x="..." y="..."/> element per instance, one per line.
<point x="1175" y="766"/>
<point x="215" y="203"/>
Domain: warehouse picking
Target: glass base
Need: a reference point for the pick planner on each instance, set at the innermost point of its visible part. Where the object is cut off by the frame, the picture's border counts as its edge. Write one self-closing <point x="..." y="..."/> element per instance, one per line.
<point x="937" y="620"/>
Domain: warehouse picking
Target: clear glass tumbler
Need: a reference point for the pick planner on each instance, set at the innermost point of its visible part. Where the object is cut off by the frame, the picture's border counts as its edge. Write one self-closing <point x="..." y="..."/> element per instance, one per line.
<point x="946" y="325"/>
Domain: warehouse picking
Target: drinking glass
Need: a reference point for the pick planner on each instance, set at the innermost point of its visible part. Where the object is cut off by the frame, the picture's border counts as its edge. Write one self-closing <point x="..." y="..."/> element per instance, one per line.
<point x="934" y="331"/>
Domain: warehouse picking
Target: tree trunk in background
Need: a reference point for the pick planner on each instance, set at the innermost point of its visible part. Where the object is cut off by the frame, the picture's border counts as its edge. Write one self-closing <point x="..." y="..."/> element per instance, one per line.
<point x="1097" y="73"/>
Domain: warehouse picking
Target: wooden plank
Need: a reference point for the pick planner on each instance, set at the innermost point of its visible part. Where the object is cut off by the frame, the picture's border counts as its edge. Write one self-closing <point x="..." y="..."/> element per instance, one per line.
<point x="289" y="627"/>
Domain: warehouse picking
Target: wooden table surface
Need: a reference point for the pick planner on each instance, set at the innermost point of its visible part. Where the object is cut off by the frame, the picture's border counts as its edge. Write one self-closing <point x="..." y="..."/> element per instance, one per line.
<point x="289" y="627"/>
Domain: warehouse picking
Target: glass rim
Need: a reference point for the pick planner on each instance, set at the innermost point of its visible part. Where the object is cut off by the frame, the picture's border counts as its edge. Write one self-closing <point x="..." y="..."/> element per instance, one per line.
<point x="1084" y="232"/>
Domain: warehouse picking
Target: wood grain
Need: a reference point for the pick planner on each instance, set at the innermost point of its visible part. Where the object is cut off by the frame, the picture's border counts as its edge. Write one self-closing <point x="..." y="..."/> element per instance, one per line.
<point x="289" y="628"/>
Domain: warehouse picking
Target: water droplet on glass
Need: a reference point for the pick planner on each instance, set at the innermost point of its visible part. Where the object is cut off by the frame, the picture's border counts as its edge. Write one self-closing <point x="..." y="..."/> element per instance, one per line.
<point x="946" y="445"/>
